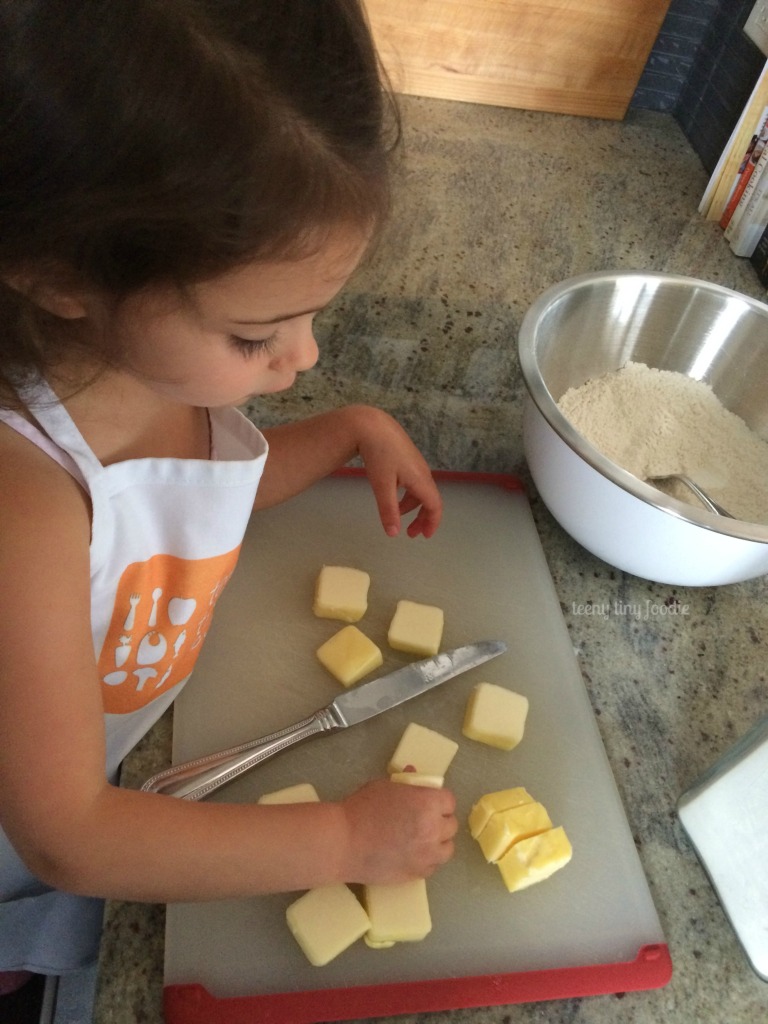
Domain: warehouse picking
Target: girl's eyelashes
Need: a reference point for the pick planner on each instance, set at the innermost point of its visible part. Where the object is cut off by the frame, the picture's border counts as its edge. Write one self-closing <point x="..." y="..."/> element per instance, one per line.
<point x="250" y="347"/>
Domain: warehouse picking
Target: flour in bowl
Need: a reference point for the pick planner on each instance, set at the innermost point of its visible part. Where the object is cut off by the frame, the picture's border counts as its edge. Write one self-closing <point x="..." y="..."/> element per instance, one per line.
<point x="656" y="423"/>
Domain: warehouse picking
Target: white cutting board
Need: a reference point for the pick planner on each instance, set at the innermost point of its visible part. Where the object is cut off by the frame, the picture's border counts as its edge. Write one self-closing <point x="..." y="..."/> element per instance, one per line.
<point x="258" y="672"/>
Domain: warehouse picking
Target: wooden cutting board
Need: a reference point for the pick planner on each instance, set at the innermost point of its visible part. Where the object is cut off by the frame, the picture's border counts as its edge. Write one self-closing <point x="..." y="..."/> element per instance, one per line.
<point x="580" y="57"/>
<point x="591" y="928"/>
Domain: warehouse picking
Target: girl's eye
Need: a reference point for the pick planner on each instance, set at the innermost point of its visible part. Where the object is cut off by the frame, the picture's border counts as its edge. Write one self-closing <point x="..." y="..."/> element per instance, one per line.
<point x="249" y="347"/>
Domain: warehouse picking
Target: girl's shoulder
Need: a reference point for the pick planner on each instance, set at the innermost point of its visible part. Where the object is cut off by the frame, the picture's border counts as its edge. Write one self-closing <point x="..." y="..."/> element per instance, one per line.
<point x="36" y="492"/>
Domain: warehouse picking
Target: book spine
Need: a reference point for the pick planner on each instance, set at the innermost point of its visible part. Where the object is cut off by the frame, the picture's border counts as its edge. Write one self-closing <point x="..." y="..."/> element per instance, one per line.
<point x="723" y="179"/>
<point x="752" y="227"/>
<point x="744" y="213"/>
<point x="759" y="258"/>
<point x="745" y="175"/>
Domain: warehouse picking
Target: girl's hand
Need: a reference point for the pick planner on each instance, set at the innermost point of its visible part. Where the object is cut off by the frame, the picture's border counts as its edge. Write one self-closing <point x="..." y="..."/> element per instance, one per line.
<point x="399" y="476"/>
<point x="302" y="453"/>
<point x="397" y="833"/>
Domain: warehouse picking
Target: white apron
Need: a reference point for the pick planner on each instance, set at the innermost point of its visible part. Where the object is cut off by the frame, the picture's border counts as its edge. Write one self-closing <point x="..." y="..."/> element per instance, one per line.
<point x="166" y="534"/>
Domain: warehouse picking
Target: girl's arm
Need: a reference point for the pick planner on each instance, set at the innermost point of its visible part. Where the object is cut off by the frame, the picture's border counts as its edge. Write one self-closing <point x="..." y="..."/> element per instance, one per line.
<point x="305" y="452"/>
<point x="77" y="832"/>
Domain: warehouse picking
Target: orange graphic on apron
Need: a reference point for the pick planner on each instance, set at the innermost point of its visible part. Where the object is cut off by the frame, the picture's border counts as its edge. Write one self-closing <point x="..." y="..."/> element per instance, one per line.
<point x="162" y="612"/>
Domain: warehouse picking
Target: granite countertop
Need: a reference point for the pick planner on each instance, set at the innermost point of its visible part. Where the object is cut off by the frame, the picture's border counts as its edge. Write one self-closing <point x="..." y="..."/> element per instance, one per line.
<point x="493" y="206"/>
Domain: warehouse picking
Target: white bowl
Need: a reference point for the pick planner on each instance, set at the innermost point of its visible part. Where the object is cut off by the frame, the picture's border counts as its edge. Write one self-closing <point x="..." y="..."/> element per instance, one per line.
<point x="595" y="323"/>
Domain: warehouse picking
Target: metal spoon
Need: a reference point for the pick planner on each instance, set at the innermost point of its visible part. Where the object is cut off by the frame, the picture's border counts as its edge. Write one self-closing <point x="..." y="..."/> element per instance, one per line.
<point x="710" y="503"/>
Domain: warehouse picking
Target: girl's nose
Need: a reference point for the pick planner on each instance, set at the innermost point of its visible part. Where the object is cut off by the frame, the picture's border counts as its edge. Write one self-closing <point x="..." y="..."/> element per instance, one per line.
<point x="309" y="352"/>
<point x="301" y="351"/>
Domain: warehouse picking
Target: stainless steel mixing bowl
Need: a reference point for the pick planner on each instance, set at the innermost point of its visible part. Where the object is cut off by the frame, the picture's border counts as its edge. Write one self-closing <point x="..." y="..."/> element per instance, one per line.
<point x="595" y="323"/>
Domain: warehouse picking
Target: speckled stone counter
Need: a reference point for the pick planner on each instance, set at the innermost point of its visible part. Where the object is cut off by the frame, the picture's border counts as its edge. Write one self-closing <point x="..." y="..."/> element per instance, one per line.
<point x="493" y="206"/>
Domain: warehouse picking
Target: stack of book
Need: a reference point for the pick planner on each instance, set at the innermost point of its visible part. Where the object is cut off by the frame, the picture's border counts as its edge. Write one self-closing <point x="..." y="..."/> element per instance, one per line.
<point x="737" y="193"/>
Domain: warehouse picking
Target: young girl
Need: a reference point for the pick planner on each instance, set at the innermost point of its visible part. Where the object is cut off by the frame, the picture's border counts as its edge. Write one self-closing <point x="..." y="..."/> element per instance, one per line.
<point x="184" y="184"/>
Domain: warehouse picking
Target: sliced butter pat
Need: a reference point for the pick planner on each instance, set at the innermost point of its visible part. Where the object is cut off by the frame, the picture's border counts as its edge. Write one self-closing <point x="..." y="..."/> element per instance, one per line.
<point x="501" y="800"/>
<point x="418" y="779"/>
<point x="508" y="827"/>
<point x="534" y="859"/>
<point x="416" y="628"/>
<point x="349" y="655"/>
<point x="398" y="913"/>
<point x="326" y="921"/>
<point x="376" y="945"/>
<point x="301" y="793"/>
<point x="495" y="716"/>
<point x="429" y="752"/>
<point x="341" y="593"/>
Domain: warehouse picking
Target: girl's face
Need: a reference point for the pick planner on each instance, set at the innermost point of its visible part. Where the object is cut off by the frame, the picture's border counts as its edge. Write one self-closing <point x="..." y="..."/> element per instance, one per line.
<point x="247" y="332"/>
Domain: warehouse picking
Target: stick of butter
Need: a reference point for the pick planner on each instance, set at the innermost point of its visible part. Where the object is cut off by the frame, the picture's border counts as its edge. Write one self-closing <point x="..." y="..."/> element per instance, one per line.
<point x="341" y="593"/>
<point x="534" y="859"/>
<point x="416" y="628"/>
<point x="418" y="779"/>
<point x="508" y="827"/>
<point x="326" y="921"/>
<point x="301" y="793"/>
<point x="398" y="912"/>
<point x="349" y="655"/>
<point x="495" y="716"/>
<point x="429" y="752"/>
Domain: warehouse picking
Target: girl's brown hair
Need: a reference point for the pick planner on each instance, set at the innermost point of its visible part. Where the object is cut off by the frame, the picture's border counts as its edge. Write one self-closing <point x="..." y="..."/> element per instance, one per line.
<point x="149" y="142"/>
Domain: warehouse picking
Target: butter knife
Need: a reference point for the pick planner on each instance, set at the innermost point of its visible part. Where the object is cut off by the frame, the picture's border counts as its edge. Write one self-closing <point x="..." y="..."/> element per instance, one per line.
<point x="196" y="779"/>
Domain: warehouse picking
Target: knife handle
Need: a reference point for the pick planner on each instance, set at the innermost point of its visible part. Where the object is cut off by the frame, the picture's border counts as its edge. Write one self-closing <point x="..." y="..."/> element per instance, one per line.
<point x="194" y="780"/>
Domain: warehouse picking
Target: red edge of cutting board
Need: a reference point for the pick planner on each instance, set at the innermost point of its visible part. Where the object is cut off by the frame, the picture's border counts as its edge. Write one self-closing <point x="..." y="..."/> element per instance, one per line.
<point x="193" y="1004"/>
<point x="652" y="968"/>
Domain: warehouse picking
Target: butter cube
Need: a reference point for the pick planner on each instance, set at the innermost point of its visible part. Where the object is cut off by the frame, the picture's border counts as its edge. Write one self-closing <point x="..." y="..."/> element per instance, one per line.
<point x="326" y="921"/>
<point x="508" y="827"/>
<point x="398" y="913"/>
<point x="429" y="752"/>
<point x="501" y="800"/>
<point x="418" y="779"/>
<point x="496" y="716"/>
<point x="376" y="945"/>
<point x="534" y="859"/>
<point x="416" y="628"/>
<point x="341" y="593"/>
<point x="349" y="655"/>
<point x="301" y="793"/>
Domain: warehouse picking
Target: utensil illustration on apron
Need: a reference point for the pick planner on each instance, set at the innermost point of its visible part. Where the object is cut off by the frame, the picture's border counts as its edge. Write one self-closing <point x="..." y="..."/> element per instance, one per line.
<point x="153" y="646"/>
<point x="162" y="612"/>
<point x="157" y="593"/>
<point x="131" y="616"/>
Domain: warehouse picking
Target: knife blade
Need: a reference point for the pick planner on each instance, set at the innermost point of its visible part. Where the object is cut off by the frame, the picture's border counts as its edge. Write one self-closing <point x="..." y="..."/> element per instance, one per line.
<point x="196" y="779"/>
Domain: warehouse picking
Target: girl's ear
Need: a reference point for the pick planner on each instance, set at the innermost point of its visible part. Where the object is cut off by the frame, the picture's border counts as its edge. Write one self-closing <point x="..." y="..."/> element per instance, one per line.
<point x="63" y="301"/>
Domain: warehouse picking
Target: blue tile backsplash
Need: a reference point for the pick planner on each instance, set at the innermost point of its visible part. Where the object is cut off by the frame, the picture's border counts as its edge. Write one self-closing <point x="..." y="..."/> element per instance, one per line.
<point x="702" y="70"/>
